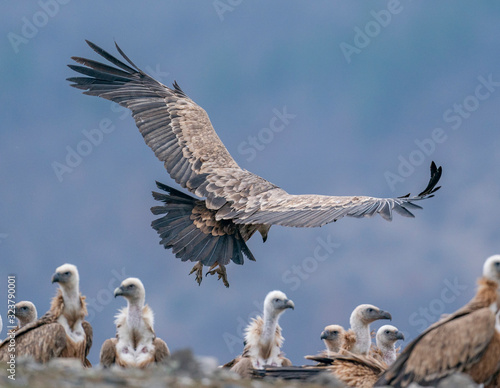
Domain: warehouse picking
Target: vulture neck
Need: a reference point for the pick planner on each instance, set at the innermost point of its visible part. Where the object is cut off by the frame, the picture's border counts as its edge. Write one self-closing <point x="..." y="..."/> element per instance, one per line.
<point x="134" y="314"/>
<point x="388" y="352"/>
<point x="71" y="298"/>
<point x="363" y="337"/>
<point x="270" y="324"/>
<point x="331" y="345"/>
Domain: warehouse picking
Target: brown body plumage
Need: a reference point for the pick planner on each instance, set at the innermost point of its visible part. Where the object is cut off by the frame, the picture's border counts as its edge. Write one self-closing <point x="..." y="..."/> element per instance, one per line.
<point x="135" y="344"/>
<point x="61" y="332"/>
<point x="212" y="232"/>
<point x="466" y="341"/>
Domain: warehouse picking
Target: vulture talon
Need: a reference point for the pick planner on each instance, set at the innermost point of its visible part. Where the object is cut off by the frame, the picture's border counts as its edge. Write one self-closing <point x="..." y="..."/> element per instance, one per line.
<point x="198" y="268"/>
<point x="221" y="272"/>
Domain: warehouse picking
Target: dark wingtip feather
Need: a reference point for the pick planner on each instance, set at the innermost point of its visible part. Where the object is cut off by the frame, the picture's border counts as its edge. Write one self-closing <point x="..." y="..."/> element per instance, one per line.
<point x="433" y="181"/>
<point x="103" y="53"/>
<point x="127" y="58"/>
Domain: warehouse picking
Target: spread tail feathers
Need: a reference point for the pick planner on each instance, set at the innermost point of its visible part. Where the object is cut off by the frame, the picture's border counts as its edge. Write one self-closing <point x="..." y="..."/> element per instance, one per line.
<point x="193" y="233"/>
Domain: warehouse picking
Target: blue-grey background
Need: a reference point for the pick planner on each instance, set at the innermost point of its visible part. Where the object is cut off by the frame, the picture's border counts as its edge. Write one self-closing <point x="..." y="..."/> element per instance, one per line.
<point x="357" y="116"/>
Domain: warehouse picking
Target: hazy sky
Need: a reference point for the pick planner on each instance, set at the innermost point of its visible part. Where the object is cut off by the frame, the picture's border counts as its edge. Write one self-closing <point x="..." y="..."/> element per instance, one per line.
<point x="371" y="93"/>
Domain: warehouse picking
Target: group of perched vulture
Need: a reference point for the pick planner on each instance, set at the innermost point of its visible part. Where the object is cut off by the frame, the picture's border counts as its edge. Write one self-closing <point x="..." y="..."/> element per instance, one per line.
<point x="212" y="229"/>
<point x="466" y="341"/>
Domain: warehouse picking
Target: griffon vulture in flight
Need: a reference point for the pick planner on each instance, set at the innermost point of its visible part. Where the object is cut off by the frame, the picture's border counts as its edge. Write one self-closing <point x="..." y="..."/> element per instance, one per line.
<point x="25" y="313"/>
<point x="136" y="344"/>
<point x="263" y="338"/>
<point x="214" y="231"/>
<point x="62" y="331"/>
<point x="467" y="341"/>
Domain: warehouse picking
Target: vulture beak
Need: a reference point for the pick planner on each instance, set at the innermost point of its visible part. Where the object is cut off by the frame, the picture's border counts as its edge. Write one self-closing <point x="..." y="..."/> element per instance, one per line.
<point x="118" y="291"/>
<point x="400" y="336"/>
<point x="289" y="304"/>
<point x="325" y="334"/>
<point x="56" y="278"/>
<point x="385" y="315"/>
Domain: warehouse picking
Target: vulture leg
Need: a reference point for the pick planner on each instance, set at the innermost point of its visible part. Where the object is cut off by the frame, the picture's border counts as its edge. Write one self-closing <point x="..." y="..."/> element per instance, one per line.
<point x="221" y="272"/>
<point x="198" y="268"/>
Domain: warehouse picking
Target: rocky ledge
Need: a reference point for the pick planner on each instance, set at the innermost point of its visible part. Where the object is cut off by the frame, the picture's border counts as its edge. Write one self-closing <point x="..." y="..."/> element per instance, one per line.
<point x="182" y="370"/>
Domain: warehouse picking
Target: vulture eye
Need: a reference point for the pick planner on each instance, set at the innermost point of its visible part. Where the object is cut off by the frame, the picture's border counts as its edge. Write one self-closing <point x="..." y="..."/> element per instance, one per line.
<point x="335" y="332"/>
<point x="276" y="300"/>
<point x="67" y="273"/>
<point x="370" y="310"/>
<point x="131" y="286"/>
<point x="387" y="332"/>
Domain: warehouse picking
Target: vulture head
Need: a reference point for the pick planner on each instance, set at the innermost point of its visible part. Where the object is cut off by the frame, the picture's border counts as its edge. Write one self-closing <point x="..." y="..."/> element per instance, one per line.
<point x="333" y="336"/>
<point x="387" y="336"/>
<point x="67" y="276"/>
<point x="332" y="332"/>
<point x="25" y="313"/>
<point x="133" y="290"/>
<point x="366" y="314"/>
<point x="491" y="268"/>
<point x="276" y="303"/>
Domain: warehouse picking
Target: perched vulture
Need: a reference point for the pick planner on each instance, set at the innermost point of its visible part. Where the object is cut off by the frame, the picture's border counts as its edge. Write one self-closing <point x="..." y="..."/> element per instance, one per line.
<point x="136" y="344"/>
<point x="358" y="338"/>
<point x="467" y="341"/>
<point x="25" y="313"/>
<point x="214" y="231"/>
<point x="362" y="370"/>
<point x="386" y="339"/>
<point x="333" y="337"/>
<point x="62" y="331"/>
<point x="263" y="338"/>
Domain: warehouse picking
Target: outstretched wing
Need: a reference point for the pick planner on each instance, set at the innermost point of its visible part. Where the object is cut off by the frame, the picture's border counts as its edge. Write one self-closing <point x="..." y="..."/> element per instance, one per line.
<point x="181" y="135"/>
<point x="276" y="207"/>
<point x="177" y="130"/>
<point x="459" y="344"/>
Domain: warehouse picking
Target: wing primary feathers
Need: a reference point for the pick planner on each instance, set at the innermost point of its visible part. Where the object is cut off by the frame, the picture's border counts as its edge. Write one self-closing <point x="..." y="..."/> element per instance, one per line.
<point x="111" y="58"/>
